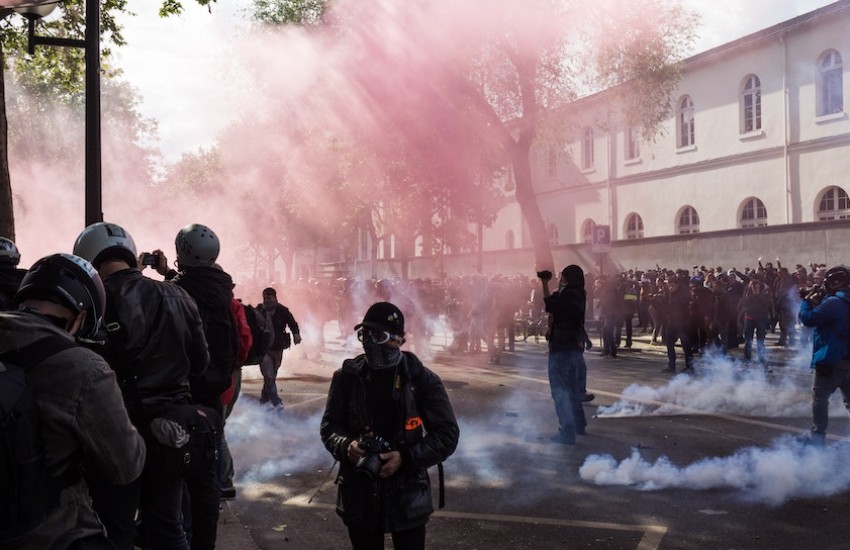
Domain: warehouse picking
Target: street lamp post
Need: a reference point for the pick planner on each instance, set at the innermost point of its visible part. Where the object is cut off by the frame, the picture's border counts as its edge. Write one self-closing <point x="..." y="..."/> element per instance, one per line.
<point x="34" y="10"/>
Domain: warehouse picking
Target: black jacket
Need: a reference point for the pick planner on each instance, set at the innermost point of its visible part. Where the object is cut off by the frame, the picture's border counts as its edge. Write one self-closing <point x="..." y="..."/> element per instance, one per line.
<point x="281" y="318"/>
<point x="427" y="433"/>
<point x="155" y="340"/>
<point x="212" y="290"/>
<point x="567" y="310"/>
<point x="10" y="280"/>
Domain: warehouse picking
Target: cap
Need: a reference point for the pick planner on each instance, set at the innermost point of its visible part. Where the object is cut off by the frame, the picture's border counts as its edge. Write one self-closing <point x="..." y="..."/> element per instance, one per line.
<point x="383" y="316"/>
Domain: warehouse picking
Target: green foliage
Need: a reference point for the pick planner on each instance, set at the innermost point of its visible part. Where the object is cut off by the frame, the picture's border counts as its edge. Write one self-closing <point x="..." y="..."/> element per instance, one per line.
<point x="175" y="7"/>
<point x="285" y="12"/>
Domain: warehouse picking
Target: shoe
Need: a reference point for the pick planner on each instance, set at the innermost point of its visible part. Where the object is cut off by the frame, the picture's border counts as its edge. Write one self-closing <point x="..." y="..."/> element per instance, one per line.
<point x="689" y="370"/>
<point x="227" y="494"/>
<point x="586" y="398"/>
<point x="563" y="440"/>
<point x="581" y="431"/>
<point x="812" y="439"/>
<point x="668" y="369"/>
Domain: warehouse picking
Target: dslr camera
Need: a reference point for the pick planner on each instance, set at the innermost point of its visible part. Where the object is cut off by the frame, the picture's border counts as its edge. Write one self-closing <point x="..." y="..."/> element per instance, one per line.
<point x="370" y="465"/>
<point x="544" y="275"/>
<point x="815" y="295"/>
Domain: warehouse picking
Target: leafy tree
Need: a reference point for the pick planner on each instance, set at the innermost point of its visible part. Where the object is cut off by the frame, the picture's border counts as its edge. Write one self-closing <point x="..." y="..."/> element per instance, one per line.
<point x="56" y="75"/>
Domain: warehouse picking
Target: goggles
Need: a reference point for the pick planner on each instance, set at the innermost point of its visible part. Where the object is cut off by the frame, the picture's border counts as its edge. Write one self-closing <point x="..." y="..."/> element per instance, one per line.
<point x="378" y="337"/>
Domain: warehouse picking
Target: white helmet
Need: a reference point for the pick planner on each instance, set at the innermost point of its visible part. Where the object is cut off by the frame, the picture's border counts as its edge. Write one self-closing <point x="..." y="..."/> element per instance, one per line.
<point x="102" y="240"/>
<point x="197" y="246"/>
<point x="9" y="254"/>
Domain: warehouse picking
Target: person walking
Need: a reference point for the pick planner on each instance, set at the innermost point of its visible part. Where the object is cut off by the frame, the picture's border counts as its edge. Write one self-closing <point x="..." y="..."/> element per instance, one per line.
<point x="279" y="318"/>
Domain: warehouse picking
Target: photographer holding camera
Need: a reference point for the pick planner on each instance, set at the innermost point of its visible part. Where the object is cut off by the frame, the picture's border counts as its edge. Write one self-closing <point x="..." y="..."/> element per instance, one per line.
<point x="825" y="307"/>
<point x="567" y="341"/>
<point x="387" y="420"/>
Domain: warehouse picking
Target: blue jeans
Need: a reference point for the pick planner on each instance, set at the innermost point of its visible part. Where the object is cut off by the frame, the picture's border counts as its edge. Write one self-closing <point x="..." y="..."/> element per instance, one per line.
<point x="565" y="371"/>
<point x="823" y="386"/>
<point x="759" y="327"/>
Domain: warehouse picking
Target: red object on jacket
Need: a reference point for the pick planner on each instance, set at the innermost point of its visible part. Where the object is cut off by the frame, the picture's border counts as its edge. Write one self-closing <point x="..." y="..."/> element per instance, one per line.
<point x="243" y="331"/>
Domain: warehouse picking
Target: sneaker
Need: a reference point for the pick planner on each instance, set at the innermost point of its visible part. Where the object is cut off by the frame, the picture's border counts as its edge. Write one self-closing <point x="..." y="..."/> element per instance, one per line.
<point x="227" y="494"/>
<point x="587" y="397"/>
<point x="812" y="439"/>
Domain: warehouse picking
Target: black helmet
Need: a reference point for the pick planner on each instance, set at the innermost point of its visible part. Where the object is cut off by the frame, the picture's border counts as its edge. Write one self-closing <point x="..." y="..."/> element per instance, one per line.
<point x="70" y="281"/>
<point x="9" y="252"/>
<point x="837" y="278"/>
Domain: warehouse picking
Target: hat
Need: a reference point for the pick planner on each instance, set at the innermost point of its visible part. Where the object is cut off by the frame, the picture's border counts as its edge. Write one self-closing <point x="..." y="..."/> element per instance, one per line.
<point x="383" y="316"/>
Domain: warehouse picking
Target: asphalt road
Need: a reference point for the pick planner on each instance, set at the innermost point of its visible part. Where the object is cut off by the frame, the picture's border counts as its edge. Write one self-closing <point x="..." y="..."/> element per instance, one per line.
<point x="725" y="482"/>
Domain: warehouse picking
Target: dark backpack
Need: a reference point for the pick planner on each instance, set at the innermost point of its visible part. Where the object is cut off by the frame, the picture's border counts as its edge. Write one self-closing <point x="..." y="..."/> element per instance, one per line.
<point x="260" y="332"/>
<point x="27" y="490"/>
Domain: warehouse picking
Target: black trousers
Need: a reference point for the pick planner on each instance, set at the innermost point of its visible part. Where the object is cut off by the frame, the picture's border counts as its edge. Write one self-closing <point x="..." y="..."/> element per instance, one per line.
<point x="409" y="539"/>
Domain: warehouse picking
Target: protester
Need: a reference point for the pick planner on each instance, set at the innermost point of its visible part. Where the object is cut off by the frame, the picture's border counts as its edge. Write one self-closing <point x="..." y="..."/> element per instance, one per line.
<point x="387" y="420"/>
<point x="279" y="318"/>
<point x="567" y="340"/>
<point x="61" y="297"/>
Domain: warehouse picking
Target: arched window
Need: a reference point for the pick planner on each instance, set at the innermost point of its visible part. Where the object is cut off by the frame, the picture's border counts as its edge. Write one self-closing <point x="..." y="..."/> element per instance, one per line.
<point x="751" y="104"/>
<point x="830" y="84"/>
<point x="753" y="213"/>
<point x="552" y="232"/>
<point x="587" y="149"/>
<point x="688" y="221"/>
<point x="634" y="226"/>
<point x="834" y="205"/>
<point x="587" y="231"/>
<point x="510" y="240"/>
<point x="687" y="136"/>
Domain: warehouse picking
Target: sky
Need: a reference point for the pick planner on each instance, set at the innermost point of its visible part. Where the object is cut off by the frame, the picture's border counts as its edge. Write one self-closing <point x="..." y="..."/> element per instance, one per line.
<point x="177" y="63"/>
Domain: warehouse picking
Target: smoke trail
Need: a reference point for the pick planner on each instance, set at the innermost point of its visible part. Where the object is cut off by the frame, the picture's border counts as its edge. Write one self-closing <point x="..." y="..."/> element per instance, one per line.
<point x="769" y="475"/>
<point x="266" y="445"/>
<point x="722" y="385"/>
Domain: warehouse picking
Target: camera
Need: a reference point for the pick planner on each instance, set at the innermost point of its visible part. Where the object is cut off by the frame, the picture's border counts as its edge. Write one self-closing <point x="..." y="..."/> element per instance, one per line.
<point x="545" y="275"/>
<point x="370" y="465"/>
<point x="150" y="259"/>
<point x="815" y="295"/>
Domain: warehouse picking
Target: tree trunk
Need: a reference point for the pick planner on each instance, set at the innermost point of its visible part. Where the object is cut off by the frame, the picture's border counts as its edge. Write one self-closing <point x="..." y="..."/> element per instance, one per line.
<point x="7" y="215"/>
<point x="521" y="163"/>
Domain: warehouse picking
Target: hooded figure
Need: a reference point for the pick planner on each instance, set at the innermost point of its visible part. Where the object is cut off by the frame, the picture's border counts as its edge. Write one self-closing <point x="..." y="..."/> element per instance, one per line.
<point x="567" y="341"/>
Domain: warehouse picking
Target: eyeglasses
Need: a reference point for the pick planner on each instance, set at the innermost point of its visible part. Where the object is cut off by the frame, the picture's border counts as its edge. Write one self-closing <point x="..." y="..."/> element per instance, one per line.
<point x="379" y="337"/>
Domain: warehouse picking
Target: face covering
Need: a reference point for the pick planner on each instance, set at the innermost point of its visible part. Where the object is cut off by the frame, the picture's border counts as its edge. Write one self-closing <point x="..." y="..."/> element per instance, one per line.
<point x="381" y="356"/>
<point x="268" y="303"/>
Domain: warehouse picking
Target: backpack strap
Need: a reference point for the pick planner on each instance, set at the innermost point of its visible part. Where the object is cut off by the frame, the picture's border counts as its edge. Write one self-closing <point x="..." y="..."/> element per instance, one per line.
<point x="37" y="352"/>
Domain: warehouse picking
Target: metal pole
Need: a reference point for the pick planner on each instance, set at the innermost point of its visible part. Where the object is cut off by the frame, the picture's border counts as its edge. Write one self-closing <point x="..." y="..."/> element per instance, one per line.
<point x="94" y="209"/>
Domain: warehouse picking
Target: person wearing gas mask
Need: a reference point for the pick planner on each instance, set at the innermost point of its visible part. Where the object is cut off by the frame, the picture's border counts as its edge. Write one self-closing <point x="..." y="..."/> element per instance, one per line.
<point x="278" y="317"/>
<point x="387" y="420"/>
<point x="567" y="341"/>
<point x="825" y="308"/>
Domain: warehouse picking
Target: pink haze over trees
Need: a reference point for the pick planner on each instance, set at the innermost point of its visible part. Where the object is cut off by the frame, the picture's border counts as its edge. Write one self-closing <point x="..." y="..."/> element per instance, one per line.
<point x="412" y="119"/>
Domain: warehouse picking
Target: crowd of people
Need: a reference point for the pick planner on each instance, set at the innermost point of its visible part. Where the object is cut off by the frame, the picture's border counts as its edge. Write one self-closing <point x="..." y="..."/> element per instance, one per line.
<point x="116" y="387"/>
<point x="164" y="357"/>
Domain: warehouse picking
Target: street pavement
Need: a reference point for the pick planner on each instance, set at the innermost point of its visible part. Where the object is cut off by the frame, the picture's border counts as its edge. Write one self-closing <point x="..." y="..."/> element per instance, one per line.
<point x="509" y="486"/>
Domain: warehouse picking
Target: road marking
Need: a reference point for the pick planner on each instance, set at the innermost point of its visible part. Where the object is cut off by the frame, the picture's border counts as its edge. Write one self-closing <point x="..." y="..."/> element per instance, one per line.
<point x="651" y="539"/>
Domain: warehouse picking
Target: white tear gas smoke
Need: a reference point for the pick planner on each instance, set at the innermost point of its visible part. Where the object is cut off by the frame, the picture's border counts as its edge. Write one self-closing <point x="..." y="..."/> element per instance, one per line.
<point x="266" y="445"/>
<point x="771" y="475"/>
<point x="723" y="385"/>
